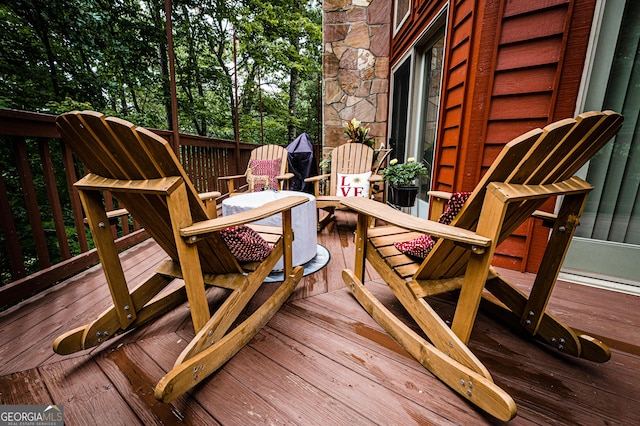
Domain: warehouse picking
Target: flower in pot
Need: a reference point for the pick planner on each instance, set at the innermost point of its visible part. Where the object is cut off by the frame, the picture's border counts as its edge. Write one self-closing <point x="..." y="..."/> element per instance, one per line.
<point x="403" y="174"/>
<point x="401" y="179"/>
<point x="358" y="132"/>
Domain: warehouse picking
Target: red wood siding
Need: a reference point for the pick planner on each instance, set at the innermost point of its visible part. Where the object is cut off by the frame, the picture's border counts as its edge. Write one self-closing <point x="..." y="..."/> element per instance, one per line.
<point x="510" y="66"/>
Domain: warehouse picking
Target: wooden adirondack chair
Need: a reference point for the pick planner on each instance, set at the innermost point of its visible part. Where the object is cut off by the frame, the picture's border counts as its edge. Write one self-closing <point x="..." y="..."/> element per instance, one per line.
<point x="265" y="154"/>
<point x="347" y="160"/>
<point x="142" y="172"/>
<point x="530" y="169"/>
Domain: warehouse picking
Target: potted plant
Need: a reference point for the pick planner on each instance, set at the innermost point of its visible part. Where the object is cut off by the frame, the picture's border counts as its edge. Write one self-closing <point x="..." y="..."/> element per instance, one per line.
<point x="400" y="178"/>
<point x="358" y="133"/>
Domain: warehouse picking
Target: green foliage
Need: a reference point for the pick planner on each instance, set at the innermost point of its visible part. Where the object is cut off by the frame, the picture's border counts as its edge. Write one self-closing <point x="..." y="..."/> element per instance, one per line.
<point x="111" y="56"/>
<point x="403" y="174"/>
<point x="358" y="133"/>
<point x="67" y="105"/>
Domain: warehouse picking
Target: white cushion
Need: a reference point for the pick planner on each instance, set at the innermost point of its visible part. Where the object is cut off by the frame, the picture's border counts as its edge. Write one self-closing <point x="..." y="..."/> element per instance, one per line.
<point x="353" y="185"/>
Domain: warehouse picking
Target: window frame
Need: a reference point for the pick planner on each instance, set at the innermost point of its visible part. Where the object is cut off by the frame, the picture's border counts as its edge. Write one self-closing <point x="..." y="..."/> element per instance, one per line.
<point x="398" y="23"/>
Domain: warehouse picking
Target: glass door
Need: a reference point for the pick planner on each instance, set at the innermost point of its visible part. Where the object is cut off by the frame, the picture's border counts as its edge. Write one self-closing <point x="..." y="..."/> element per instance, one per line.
<point x="607" y="242"/>
<point x="416" y="88"/>
<point x="400" y="109"/>
<point x="432" y="57"/>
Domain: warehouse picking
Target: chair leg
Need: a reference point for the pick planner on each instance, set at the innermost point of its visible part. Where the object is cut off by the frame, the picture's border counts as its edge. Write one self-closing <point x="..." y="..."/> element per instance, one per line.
<point x="189" y="260"/>
<point x="511" y="306"/>
<point x="129" y="309"/>
<point x="108" y="255"/>
<point x="438" y="332"/>
<point x="476" y="388"/>
<point x="489" y="224"/>
<point x="107" y="325"/>
<point x="530" y="312"/>
<point x="231" y="308"/>
<point x="557" y="247"/>
<point x="194" y="370"/>
<point x="325" y="216"/>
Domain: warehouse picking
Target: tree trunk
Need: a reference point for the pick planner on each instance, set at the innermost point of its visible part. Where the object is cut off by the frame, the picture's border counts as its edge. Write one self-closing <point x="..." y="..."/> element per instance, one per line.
<point x="164" y="62"/>
<point x="293" y="97"/>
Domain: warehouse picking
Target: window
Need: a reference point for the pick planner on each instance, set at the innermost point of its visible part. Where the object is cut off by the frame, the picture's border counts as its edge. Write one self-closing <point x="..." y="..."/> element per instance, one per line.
<point x="432" y="57"/>
<point x="401" y="13"/>
<point x="400" y="110"/>
<point x="415" y="103"/>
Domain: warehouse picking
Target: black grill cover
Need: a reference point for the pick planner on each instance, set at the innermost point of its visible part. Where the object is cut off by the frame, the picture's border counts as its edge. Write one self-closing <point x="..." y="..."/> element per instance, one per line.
<point x="301" y="163"/>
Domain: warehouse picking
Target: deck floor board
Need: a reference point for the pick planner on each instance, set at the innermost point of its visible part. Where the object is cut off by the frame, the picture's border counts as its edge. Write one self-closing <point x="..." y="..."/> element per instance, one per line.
<point x="320" y="360"/>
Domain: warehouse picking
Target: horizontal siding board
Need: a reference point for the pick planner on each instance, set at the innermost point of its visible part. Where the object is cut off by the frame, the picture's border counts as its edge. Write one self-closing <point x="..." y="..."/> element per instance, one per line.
<point x="453" y="117"/>
<point x="450" y="136"/>
<point x="514" y="246"/>
<point x="527" y="80"/>
<point x="459" y="54"/>
<point x="490" y="153"/>
<point x="535" y="26"/>
<point x="448" y="158"/>
<point x="445" y="176"/>
<point x="455" y="97"/>
<point x="501" y="132"/>
<point x="514" y="8"/>
<point x="462" y="33"/>
<point x="463" y="12"/>
<point x="509" y="262"/>
<point x="457" y="76"/>
<point x="526" y="106"/>
<point x="529" y="54"/>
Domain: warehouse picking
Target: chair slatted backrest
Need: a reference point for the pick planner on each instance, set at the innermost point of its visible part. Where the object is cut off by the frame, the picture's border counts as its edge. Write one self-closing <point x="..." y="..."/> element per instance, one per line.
<point x="349" y="158"/>
<point x="116" y="149"/>
<point x="539" y="157"/>
<point x="272" y="152"/>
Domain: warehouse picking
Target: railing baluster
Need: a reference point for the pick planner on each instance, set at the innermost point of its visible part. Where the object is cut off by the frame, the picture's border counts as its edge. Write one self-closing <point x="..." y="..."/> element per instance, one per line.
<point x="76" y="205"/>
<point x="31" y="203"/>
<point x="10" y="234"/>
<point x="54" y="198"/>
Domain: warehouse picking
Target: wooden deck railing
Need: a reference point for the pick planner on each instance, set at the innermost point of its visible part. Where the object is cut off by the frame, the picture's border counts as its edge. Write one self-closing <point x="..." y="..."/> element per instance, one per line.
<point x="44" y="238"/>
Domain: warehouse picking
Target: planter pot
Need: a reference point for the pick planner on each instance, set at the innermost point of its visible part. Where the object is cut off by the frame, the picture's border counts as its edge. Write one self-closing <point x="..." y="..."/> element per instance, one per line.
<point x="403" y="196"/>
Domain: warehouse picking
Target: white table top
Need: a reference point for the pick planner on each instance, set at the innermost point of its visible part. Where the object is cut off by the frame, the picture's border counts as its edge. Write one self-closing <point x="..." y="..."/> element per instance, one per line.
<point x="251" y="200"/>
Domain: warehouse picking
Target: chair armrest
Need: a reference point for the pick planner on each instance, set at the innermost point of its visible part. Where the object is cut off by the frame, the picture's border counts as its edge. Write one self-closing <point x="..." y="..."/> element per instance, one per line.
<point x="199" y="229"/>
<point x="209" y="200"/>
<point x="230" y="177"/>
<point x="285" y="176"/>
<point x="439" y="201"/>
<point x="113" y="216"/>
<point x="548" y="219"/>
<point x="116" y="214"/>
<point x="440" y="194"/>
<point x="209" y="195"/>
<point x="317" y="178"/>
<point x="395" y="217"/>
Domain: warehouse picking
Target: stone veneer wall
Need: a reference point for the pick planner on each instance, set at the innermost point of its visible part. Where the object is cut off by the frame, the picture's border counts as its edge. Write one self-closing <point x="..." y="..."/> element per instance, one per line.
<point x="355" y="67"/>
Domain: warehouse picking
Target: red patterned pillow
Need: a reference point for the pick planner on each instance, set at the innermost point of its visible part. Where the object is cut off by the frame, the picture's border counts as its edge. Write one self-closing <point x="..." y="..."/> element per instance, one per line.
<point x="268" y="168"/>
<point x="245" y="244"/>
<point x="418" y="247"/>
<point x="421" y="246"/>
<point x="454" y="205"/>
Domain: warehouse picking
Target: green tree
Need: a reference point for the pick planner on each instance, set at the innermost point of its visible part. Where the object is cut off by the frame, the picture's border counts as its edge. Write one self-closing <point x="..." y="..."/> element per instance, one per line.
<point x="112" y="55"/>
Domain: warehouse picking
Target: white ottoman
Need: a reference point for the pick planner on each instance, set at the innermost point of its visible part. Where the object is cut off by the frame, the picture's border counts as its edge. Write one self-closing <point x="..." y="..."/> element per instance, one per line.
<point x="303" y="218"/>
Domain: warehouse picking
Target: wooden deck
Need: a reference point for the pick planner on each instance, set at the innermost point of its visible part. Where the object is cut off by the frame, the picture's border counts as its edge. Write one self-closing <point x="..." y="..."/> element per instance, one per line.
<point x="320" y="360"/>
